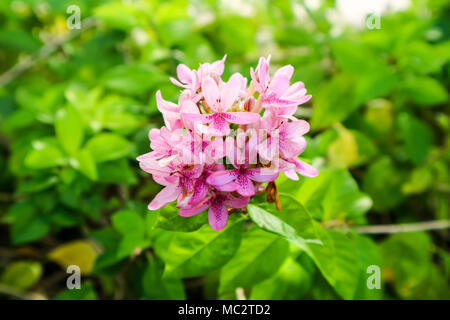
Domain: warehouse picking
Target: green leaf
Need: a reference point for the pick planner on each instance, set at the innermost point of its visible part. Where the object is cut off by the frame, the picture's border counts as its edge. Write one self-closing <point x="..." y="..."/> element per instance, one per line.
<point x="368" y="255"/>
<point x="122" y="15"/>
<point x="29" y="231"/>
<point x="117" y="171"/>
<point x="337" y="262"/>
<point x="416" y="135"/>
<point x="333" y="102"/>
<point x="158" y="288"/>
<point x="169" y="219"/>
<point x="150" y="221"/>
<point x="259" y="257"/>
<point x="293" y="223"/>
<point x="27" y="225"/>
<point x="18" y="40"/>
<point x="424" y="91"/>
<point x="108" y="146"/>
<point x="375" y="84"/>
<point x="355" y="58"/>
<point x="21" y="275"/>
<point x="424" y="57"/>
<point x="131" y="244"/>
<point x="37" y="184"/>
<point x="291" y="282"/>
<point x="382" y="182"/>
<point x="86" y="292"/>
<point x="408" y="266"/>
<point x="63" y="218"/>
<point x="84" y="162"/>
<point x="128" y="222"/>
<point x="69" y="129"/>
<point x="44" y="155"/>
<point x="333" y="194"/>
<point x="132" y="227"/>
<point x="419" y="180"/>
<point x="374" y="76"/>
<point x="196" y="253"/>
<point x="132" y="79"/>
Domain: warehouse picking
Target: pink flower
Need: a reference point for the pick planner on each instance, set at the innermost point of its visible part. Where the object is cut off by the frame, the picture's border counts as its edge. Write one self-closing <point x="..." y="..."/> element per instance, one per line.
<point x="220" y="100"/>
<point x="178" y="185"/>
<point x="286" y="141"/>
<point x="201" y="187"/>
<point x="240" y="179"/>
<point x="188" y="151"/>
<point x="277" y="92"/>
<point x="192" y="79"/>
<point x="200" y="149"/>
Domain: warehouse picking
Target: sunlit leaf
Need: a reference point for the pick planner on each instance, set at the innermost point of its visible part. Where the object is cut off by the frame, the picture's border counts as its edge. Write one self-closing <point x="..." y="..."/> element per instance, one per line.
<point x="69" y="129"/>
<point x="108" y="146"/>
<point x="44" y="156"/>
<point x="84" y="162"/>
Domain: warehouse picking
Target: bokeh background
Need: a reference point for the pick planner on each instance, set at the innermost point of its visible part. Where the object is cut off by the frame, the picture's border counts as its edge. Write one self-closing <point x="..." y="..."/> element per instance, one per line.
<point x="76" y="107"/>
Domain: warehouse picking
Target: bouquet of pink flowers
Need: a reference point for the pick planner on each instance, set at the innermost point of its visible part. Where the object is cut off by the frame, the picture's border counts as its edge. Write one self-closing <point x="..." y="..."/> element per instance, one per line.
<point x="223" y="140"/>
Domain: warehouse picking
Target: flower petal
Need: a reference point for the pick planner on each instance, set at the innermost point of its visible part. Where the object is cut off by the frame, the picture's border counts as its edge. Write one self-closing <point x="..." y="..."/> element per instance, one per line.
<point x="163" y="105"/>
<point x="262" y="174"/>
<point x="236" y="202"/>
<point x="245" y="186"/>
<point x="219" y="178"/>
<point x="211" y="93"/>
<point x="228" y="187"/>
<point x="241" y="117"/>
<point x="230" y="92"/>
<point x="279" y="84"/>
<point x="178" y="83"/>
<point x="189" y="211"/>
<point x="217" y="215"/>
<point x="218" y="66"/>
<point x="286" y="70"/>
<point x="200" y="190"/>
<point x="165" y="196"/>
<point x="218" y="126"/>
<point x="184" y="74"/>
<point x="196" y="118"/>
<point x="305" y="169"/>
<point x="291" y="174"/>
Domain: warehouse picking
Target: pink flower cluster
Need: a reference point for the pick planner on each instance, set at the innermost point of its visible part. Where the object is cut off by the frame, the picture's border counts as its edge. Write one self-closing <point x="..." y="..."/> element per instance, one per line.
<point x="202" y="162"/>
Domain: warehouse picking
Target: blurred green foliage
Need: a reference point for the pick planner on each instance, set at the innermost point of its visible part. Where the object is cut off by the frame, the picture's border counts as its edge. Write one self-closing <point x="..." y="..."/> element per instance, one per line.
<point x="74" y="115"/>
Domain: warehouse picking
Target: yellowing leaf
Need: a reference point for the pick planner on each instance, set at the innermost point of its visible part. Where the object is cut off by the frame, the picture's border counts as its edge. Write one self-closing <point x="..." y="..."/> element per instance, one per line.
<point x="344" y="151"/>
<point x="80" y="253"/>
<point x="350" y="149"/>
